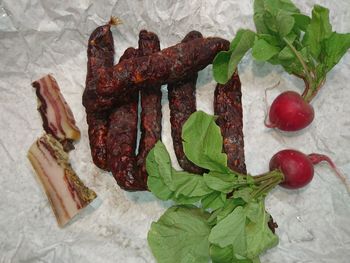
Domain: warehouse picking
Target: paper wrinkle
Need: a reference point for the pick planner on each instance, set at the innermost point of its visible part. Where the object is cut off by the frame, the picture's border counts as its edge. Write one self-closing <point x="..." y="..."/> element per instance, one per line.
<point x="40" y="37"/>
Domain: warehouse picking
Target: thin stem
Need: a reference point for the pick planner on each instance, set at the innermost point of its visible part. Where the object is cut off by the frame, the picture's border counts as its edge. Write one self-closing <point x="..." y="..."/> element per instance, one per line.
<point x="267" y="182"/>
<point x="308" y="94"/>
<point x="302" y="62"/>
<point x="267" y="124"/>
<point x="316" y="158"/>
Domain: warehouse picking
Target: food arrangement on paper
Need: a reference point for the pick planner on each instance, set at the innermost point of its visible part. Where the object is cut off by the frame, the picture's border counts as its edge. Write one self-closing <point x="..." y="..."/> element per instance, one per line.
<point x="176" y="160"/>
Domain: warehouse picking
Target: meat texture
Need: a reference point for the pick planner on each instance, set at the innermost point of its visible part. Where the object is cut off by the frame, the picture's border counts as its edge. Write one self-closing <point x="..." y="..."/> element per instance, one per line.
<point x="169" y="65"/>
<point x="67" y="194"/>
<point x="100" y="56"/>
<point x="128" y="169"/>
<point x="182" y="103"/>
<point x="228" y="108"/>
<point x="122" y="138"/>
<point x="151" y="107"/>
<point x="58" y="119"/>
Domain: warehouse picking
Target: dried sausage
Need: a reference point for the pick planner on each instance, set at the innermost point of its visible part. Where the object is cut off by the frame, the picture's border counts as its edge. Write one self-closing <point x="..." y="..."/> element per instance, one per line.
<point x="182" y="103"/>
<point x="122" y="138"/>
<point x="151" y="108"/>
<point x="228" y="108"/>
<point x="169" y="65"/>
<point x="100" y="55"/>
<point x="130" y="170"/>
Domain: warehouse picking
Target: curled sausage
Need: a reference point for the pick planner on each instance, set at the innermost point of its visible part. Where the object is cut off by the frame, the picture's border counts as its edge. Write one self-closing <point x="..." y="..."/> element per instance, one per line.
<point x="182" y="103"/>
<point x="169" y="65"/>
<point x="130" y="170"/>
<point x="228" y="108"/>
<point x="151" y="107"/>
<point x="122" y="138"/>
<point x="100" y="55"/>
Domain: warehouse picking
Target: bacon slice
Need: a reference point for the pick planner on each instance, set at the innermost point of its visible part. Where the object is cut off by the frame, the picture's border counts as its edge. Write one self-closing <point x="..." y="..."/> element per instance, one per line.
<point x="58" y="119"/>
<point x="66" y="192"/>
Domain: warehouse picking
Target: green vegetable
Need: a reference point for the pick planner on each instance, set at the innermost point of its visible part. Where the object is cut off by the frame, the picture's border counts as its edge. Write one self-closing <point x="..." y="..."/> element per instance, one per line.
<point x="203" y="142"/>
<point x="226" y="62"/>
<point x="229" y="228"/>
<point x="304" y="46"/>
<point x="186" y="227"/>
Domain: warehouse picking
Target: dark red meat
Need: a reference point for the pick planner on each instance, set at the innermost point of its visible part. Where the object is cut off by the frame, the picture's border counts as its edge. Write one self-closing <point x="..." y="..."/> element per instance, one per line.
<point x="169" y="65"/>
<point x="182" y="103"/>
<point x="151" y="108"/>
<point x="228" y="108"/>
<point x="122" y="138"/>
<point x="100" y="55"/>
<point x="130" y="170"/>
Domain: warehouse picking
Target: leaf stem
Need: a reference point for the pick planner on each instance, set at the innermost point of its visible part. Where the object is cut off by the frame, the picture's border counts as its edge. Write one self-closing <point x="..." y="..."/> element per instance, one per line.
<point x="266" y="182"/>
<point x="301" y="60"/>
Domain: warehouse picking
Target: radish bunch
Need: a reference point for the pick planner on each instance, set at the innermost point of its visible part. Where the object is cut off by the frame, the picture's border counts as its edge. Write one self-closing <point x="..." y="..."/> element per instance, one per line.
<point x="304" y="46"/>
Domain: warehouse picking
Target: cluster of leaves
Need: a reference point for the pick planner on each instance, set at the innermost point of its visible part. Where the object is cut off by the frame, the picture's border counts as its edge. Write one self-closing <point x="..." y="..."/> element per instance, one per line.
<point x="225" y="229"/>
<point x="304" y="46"/>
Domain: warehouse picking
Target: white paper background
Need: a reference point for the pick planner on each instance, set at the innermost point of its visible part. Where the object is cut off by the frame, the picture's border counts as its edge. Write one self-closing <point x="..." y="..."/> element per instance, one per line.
<point x="40" y="37"/>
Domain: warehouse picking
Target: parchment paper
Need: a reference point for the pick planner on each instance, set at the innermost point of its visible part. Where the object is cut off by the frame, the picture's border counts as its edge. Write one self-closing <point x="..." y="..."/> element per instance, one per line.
<point x="45" y="36"/>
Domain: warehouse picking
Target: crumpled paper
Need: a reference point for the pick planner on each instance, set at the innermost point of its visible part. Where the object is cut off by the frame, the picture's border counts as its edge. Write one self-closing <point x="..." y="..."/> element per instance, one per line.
<point x="40" y="37"/>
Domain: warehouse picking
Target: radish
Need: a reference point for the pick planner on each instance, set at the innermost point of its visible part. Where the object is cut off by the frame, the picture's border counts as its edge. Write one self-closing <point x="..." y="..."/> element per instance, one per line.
<point x="290" y="112"/>
<point x="297" y="168"/>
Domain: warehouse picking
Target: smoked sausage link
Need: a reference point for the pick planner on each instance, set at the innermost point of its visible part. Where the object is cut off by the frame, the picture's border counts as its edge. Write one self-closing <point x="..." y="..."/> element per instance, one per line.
<point x="169" y="65"/>
<point x="100" y="56"/>
<point x="151" y="108"/>
<point x="182" y="103"/>
<point x="228" y="108"/>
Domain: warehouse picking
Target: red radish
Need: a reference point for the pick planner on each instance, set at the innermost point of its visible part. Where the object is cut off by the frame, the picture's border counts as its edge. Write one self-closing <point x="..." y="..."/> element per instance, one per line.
<point x="298" y="169"/>
<point x="290" y="112"/>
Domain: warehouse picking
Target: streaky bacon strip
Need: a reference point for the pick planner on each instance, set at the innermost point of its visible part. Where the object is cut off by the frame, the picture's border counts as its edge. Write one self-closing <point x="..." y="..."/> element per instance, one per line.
<point x="58" y="119"/>
<point x="66" y="192"/>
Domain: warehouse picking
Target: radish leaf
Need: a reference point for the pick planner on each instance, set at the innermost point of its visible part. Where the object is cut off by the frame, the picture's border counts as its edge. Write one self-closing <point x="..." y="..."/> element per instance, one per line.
<point x="263" y="51"/>
<point x="318" y="30"/>
<point x="180" y="235"/>
<point x="202" y="142"/>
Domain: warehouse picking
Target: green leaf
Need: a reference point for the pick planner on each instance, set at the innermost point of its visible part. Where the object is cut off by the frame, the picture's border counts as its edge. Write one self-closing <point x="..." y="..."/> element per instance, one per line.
<point x="263" y="51"/>
<point x="273" y="6"/>
<point x="271" y="39"/>
<point x="220" y="182"/>
<point x="290" y="37"/>
<point x="335" y="46"/>
<point x="285" y="23"/>
<point x="286" y="54"/>
<point x="158" y="165"/>
<point x="260" y="25"/>
<point x="189" y="185"/>
<point x="214" y="201"/>
<point x="240" y="45"/>
<point x="180" y="236"/>
<point x="225" y="62"/>
<point x="318" y="30"/>
<point x="185" y="200"/>
<point x="259" y="6"/>
<point x="220" y="66"/>
<point x="302" y="21"/>
<point x="242" y="36"/>
<point x="228" y="207"/>
<point x="221" y="255"/>
<point x="271" y="23"/>
<point x="165" y="182"/>
<point x="203" y="142"/>
<point x="259" y="236"/>
<point x="231" y="231"/>
<point x="243" y="193"/>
